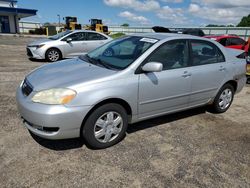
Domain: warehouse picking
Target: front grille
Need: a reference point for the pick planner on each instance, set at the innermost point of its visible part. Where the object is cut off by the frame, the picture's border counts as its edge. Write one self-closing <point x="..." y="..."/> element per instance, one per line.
<point x="26" y="87"/>
<point x="29" y="53"/>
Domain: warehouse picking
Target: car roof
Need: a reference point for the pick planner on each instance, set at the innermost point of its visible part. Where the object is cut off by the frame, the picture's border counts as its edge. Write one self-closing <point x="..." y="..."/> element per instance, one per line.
<point x="83" y="30"/>
<point x="162" y="36"/>
<point x="221" y="36"/>
<point x="90" y="31"/>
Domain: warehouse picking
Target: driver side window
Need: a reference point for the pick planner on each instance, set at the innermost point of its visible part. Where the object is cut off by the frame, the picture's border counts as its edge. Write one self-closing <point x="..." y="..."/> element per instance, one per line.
<point x="173" y="54"/>
<point x="81" y="36"/>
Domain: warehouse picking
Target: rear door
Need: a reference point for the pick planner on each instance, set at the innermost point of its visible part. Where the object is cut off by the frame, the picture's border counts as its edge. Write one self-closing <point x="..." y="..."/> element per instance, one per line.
<point x="94" y="40"/>
<point x="208" y="71"/>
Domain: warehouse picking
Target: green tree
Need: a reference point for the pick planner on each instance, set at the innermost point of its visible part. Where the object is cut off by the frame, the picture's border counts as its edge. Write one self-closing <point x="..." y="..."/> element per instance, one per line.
<point x="214" y="25"/>
<point x="125" y="25"/>
<point x="46" y="24"/>
<point x="245" y="22"/>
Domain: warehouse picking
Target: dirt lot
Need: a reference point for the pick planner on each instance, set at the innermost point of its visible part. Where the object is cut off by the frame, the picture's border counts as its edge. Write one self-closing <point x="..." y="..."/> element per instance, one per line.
<point x="188" y="149"/>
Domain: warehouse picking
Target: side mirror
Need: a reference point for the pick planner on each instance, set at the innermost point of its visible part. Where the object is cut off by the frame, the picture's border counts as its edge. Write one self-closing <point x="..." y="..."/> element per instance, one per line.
<point x="68" y="40"/>
<point x="152" y="67"/>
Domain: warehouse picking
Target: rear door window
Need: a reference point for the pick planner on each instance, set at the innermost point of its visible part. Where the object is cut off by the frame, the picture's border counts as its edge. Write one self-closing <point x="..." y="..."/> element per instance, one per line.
<point x="236" y="41"/>
<point x="204" y="52"/>
<point x="95" y="36"/>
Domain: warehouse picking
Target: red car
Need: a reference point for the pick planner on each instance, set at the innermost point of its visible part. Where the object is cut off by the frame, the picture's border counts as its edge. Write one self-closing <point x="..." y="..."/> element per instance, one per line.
<point x="230" y="41"/>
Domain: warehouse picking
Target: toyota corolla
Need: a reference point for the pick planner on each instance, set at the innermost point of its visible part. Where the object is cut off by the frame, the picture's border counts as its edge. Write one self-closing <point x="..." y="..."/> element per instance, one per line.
<point x="67" y="44"/>
<point x="127" y="80"/>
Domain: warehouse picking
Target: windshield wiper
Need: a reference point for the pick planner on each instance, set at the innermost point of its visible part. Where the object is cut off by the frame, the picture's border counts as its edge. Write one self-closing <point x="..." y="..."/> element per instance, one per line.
<point x="97" y="62"/>
<point x="88" y="59"/>
<point x="100" y="62"/>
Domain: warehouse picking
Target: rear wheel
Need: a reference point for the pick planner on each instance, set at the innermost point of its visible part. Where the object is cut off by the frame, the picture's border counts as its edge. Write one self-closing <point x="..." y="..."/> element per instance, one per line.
<point x="223" y="100"/>
<point x="53" y="55"/>
<point x="105" y="126"/>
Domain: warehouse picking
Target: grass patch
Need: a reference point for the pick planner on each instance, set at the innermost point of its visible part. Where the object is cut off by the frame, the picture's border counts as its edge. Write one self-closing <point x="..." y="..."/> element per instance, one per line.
<point x="117" y="35"/>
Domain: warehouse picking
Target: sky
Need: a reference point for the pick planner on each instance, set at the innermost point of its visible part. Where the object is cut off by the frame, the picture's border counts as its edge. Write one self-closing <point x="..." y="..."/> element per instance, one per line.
<point x="167" y="13"/>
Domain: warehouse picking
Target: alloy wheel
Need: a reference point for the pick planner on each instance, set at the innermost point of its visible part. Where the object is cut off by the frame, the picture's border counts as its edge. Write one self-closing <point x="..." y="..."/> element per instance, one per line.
<point x="53" y="55"/>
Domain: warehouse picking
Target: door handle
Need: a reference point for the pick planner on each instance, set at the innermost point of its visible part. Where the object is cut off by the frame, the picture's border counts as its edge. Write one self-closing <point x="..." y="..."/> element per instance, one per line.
<point x="222" y="68"/>
<point x="186" y="74"/>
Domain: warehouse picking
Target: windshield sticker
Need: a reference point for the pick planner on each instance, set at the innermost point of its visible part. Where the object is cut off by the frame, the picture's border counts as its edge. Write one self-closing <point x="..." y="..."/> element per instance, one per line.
<point x="149" y="40"/>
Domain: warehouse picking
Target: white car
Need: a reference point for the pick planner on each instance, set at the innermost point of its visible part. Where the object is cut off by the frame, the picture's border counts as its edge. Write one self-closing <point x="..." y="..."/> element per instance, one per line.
<point x="67" y="44"/>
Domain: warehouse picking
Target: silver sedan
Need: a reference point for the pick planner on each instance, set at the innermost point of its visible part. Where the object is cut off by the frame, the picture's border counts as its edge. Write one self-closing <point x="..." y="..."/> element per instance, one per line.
<point x="67" y="44"/>
<point x="128" y="80"/>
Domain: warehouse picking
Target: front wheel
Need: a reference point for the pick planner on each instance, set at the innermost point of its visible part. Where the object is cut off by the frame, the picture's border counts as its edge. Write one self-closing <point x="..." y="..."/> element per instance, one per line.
<point x="53" y="55"/>
<point x="223" y="100"/>
<point x="105" y="126"/>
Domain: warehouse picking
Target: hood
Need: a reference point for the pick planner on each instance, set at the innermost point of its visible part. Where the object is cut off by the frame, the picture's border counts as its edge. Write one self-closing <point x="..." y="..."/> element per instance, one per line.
<point x="66" y="73"/>
<point x="40" y="41"/>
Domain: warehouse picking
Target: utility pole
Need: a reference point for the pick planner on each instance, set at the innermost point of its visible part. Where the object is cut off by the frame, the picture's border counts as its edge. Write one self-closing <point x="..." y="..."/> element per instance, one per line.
<point x="59" y="19"/>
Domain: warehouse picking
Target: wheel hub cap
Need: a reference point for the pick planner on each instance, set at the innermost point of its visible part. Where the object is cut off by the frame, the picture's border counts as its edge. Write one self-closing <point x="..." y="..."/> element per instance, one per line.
<point x="108" y="127"/>
<point x="53" y="55"/>
<point x="225" y="99"/>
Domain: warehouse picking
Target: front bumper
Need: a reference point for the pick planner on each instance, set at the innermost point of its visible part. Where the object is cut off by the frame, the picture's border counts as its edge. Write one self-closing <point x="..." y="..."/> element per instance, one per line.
<point x="50" y="121"/>
<point x="35" y="53"/>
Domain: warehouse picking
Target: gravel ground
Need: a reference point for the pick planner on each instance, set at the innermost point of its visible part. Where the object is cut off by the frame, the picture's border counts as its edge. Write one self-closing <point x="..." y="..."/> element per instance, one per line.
<point x="189" y="149"/>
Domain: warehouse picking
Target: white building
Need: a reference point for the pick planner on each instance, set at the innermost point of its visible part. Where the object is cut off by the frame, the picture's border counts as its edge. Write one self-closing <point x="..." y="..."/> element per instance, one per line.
<point x="10" y="15"/>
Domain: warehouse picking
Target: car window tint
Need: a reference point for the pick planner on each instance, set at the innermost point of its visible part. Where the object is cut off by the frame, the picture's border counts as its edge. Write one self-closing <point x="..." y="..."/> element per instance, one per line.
<point x="120" y="53"/>
<point x="205" y="53"/>
<point x="95" y="36"/>
<point x="236" y="41"/>
<point x="125" y="48"/>
<point x="172" y="54"/>
<point x="223" y="41"/>
<point x="80" y="36"/>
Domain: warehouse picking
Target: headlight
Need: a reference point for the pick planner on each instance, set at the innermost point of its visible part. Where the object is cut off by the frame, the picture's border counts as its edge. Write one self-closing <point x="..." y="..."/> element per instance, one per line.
<point x="37" y="46"/>
<point x="54" y="96"/>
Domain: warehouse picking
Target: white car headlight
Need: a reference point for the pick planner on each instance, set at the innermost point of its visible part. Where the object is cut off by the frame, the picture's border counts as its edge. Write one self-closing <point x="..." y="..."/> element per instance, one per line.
<point x="54" y="96"/>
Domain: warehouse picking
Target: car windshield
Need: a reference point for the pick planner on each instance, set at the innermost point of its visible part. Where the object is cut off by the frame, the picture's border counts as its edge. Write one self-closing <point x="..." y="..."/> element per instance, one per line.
<point x="60" y="35"/>
<point x="120" y="53"/>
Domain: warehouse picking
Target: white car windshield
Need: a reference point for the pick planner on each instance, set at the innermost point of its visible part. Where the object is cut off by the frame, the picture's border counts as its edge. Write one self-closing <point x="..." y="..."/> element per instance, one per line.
<point x="60" y="35"/>
<point x="120" y="53"/>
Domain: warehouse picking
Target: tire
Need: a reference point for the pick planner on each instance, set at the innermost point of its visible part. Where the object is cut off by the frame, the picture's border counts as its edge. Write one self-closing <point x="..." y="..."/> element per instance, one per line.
<point x="106" y="126"/>
<point x="53" y="55"/>
<point x="223" y="99"/>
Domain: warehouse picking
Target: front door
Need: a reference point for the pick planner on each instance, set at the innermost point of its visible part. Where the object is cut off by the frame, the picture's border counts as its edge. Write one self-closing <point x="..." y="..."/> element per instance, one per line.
<point x="4" y="24"/>
<point x="169" y="90"/>
<point x="77" y="46"/>
<point x="94" y="40"/>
